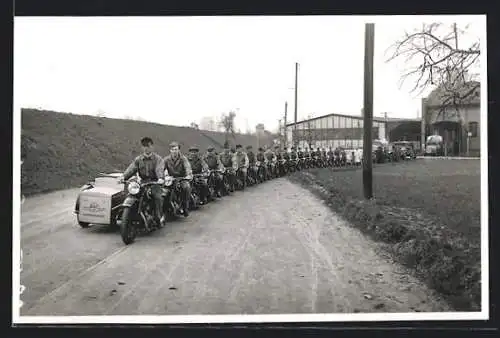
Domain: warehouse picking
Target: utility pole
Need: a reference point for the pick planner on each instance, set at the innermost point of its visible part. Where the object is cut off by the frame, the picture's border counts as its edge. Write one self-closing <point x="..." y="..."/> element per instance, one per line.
<point x="280" y="131"/>
<point x="295" y="108"/>
<point x="368" y="111"/>
<point x="284" y="125"/>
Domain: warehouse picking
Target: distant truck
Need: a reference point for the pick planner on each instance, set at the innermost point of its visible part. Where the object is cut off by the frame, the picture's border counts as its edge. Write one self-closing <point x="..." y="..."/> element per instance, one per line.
<point x="434" y="146"/>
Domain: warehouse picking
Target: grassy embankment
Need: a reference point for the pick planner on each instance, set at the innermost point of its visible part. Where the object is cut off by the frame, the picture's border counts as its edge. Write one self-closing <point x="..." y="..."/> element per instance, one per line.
<point x="63" y="151"/>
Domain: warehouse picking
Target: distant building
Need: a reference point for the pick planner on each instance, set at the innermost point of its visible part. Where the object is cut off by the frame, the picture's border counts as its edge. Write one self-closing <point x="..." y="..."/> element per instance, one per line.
<point x="459" y="124"/>
<point x="332" y="130"/>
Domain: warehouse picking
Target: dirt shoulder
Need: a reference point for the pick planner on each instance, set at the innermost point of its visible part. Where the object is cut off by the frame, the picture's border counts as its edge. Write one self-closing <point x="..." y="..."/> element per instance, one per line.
<point x="275" y="248"/>
<point x="445" y="257"/>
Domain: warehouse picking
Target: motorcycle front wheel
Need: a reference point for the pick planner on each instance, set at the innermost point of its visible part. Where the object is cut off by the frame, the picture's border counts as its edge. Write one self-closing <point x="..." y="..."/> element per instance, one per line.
<point x="127" y="230"/>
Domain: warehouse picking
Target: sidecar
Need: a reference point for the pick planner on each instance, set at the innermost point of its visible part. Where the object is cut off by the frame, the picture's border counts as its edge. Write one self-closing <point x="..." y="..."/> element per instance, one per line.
<point x="99" y="201"/>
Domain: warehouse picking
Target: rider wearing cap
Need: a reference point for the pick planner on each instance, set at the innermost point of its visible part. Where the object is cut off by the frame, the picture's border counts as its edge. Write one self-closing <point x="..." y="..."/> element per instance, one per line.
<point x="242" y="163"/>
<point x="293" y="154"/>
<point x="213" y="161"/>
<point x="261" y="157"/>
<point x="150" y="167"/>
<point x="229" y="162"/>
<point x="199" y="166"/>
<point x="271" y="158"/>
<point x="252" y="159"/>
<point x="330" y="156"/>
<point x="178" y="166"/>
<point x="251" y="156"/>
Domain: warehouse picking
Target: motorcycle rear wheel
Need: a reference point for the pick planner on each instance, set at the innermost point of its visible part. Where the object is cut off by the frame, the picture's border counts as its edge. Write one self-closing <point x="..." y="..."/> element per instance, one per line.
<point x="127" y="230"/>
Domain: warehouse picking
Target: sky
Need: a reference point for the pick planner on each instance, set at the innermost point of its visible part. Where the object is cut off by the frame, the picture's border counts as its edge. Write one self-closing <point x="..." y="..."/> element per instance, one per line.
<point x="177" y="70"/>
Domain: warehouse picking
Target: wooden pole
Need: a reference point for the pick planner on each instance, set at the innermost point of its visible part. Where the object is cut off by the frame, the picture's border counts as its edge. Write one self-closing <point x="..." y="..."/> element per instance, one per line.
<point x="368" y="111"/>
<point x="295" y="108"/>
<point x="286" y="134"/>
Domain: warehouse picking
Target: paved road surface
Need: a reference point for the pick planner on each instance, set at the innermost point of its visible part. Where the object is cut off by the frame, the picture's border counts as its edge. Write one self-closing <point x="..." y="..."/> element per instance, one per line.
<point x="272" y="249"/>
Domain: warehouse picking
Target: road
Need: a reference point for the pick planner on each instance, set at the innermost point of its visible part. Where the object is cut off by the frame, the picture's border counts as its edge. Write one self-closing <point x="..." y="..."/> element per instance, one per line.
<point x="273" y="249"/>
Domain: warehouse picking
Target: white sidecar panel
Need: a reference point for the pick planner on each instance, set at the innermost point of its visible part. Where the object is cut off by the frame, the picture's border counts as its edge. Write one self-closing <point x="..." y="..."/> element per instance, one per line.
<point x="95" y="204"/>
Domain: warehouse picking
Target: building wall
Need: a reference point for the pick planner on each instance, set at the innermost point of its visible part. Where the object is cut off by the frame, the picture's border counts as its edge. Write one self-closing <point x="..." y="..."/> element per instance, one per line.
<point x="333" y="131"/>
<point x="466" y="115"/>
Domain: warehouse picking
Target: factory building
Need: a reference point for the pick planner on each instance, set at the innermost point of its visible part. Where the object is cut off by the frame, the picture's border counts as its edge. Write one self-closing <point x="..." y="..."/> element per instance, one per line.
<point x="333" y="130"/>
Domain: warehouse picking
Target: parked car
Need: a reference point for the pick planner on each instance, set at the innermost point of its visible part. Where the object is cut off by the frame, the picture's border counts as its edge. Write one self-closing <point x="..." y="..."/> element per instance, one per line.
<point x="406" y="149"/>
<point x="100" y="201"/>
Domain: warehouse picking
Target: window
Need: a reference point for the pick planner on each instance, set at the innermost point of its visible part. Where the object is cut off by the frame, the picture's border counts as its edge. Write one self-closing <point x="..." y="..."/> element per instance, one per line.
<point x="335" y="122"/>
<point x="473" y="128"/>
<point x="342" y="122"/>
<point x="348" y="122"/>
<point x="360" y="123"/>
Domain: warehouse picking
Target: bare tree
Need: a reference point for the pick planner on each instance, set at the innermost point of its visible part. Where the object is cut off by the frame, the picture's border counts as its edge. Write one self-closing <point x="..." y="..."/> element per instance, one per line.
<point x="434" y="58"/>
<point x="227" y="122"/>
<point x="194" y="125"/>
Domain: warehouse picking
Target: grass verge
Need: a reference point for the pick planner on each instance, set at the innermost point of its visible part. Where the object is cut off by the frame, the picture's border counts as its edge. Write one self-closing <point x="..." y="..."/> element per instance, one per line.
<point x="428" y="214"/>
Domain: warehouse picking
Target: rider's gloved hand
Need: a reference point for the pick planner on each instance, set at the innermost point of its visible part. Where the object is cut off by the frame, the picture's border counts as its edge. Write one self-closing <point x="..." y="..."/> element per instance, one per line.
<point x="161" y="181"/>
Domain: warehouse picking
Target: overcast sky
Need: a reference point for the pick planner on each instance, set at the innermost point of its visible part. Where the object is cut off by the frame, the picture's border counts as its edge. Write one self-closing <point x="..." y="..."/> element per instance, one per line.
<point x="176" y="70"/>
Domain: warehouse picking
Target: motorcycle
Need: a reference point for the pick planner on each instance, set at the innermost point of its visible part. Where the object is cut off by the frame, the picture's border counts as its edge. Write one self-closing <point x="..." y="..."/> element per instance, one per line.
<point x="137" y="214"/>
<point x="282" y="168"/>
<point x="317" y="161"/>
<point x="198" y="196"/>
<point x="252" y="178"/>
<point x="261" y="171"/>
<point x="293" y="165"/>
<point x="238" y="182"/>
<point x="271" y="170"/>
<point x="329" y="160"/>
<point x="172" y="202"/>
<point x="212" y="184"/>
<point x="228" y="180"/>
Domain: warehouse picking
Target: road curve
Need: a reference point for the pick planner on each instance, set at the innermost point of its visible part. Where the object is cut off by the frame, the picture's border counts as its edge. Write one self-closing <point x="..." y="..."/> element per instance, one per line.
<point x="273" y="249"/>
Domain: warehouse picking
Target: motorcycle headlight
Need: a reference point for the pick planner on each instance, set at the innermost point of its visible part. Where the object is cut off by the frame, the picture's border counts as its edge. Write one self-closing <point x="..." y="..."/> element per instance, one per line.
<point x="168" y="181"/>
<point x="134" y="188"/>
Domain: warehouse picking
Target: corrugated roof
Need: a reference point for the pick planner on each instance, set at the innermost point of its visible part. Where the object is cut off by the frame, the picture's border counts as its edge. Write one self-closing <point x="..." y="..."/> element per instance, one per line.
<point x="377" y="119"/>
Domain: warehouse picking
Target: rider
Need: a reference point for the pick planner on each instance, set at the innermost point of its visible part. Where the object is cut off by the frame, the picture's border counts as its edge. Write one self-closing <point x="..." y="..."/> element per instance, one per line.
<point x="260" y="157"/>
<point x="178" y="166"/>
<point x="150" y="167"/>
<point x="286" y="155"/>
<point x="251" y="156"/>
<point x="307" y="155"/>
<point x="293" y="154"/>
<point x="228" y="161"/>
<point x="318" y="154"/>
<point x="213" y="161"/>
<point x="279" y="155"/>
<point x="199" y="166"/>
<point x="270" y="156"/>
<point x="242" y="162"/>
<point x="330" y="156"/>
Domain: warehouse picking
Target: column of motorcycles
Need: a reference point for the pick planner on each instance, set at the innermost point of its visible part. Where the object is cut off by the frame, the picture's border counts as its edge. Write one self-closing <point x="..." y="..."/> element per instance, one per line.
<point x="137" y="214"/>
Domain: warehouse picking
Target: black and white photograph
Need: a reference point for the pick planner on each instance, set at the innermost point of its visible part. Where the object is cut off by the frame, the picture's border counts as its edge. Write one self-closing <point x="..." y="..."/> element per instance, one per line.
<point x="250" y="169"/>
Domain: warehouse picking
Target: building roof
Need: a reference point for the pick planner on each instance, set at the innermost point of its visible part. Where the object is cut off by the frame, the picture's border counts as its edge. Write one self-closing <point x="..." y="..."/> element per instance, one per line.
<point x="377" y="119"/>
<point x="439" y="94"/>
